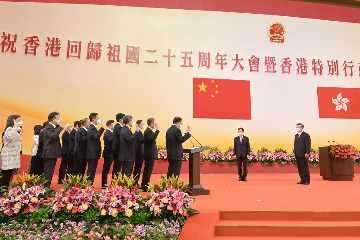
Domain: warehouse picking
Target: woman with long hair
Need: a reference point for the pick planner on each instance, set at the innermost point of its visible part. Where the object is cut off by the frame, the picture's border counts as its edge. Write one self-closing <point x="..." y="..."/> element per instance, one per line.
<point x="10" y="152"/>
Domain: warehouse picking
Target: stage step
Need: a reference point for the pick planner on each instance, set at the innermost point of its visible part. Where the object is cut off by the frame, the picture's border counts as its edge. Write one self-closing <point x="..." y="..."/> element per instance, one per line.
<point x="288" y="224"/>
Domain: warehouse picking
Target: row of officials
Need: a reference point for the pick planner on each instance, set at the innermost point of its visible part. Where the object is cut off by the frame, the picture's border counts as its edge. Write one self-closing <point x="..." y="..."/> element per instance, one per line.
<point x="126" y="150"/>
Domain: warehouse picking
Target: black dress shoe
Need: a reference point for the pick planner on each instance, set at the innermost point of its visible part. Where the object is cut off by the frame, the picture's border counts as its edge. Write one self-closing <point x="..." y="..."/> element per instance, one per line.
<point x="244" y="179"/>
<point x="240" y="179"/>
<point x="306" y="183"/>
<point x="300" y="182"/>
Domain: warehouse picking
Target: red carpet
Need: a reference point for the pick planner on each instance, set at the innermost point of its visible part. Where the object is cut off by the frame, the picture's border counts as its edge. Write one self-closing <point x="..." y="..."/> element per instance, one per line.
<point x="239" y="210"/>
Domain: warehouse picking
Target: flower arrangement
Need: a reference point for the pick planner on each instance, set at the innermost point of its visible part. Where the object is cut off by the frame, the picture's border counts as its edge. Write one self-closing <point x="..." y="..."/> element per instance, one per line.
<point x="76" y="200"/>
<point x="229" y="156"/>
<point x="118" y="201"/>
<point x="357" y="158"/>
<point x="265" y="156"/>
<point x="314" y="158"/>
<point x="166" y="183"/>
<point x="342" y="151"/>
<point x="281" y="156"/>
<point x="125" y="182"/>
<point x="216" y="156"/>
<point x="28" y="180"/>
<point x="253" y="158"/>
<point x="162" y="154"/>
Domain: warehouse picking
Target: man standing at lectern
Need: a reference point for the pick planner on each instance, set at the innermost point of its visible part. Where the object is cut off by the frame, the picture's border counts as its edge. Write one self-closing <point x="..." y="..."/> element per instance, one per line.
<point x="242" y="152"/>
<point x="174" y="140"/>
<point x="302" y="146"/>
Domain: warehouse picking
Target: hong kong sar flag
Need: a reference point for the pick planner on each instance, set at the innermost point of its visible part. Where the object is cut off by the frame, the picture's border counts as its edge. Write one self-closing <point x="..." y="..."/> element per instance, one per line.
<point x="221" y="98"/>
<point x="339" y="102"/>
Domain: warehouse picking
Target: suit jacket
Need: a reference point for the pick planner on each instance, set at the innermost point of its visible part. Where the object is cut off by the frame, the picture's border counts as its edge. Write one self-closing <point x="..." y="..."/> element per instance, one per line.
<point x="241" y="149"/>
<point x="81" y="143"/>
<point x="303" y="145"/>
<point x="116" y="139"/>
<point x="65" y="143"/>
<point x="127" y="144"/>
<point x="139" y="146"/>
<point x="93" y="142"/>
<point x="51" y="142"/>
<point x="108" y="143"/>
<point x="174" y="140"/>
<point x="72" y="142"/>
<point x="41" y="145"/>
<point x="150" y="148"/>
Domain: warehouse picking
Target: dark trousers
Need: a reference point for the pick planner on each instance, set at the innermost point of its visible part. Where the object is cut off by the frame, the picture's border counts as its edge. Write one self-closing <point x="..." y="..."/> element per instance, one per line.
<point x="106" y="169"/>
<point x="5" y="178"/>
<point x="80" y="167"/>
<point x="174" y="168"/>
<point x="92" y="165"/>
<point x="242" y="162"/>
<point x="49" y="167"/>
<point x="32" y="164"/>
<point x="302" y="164"/>
<point x="39" y="166"/>
<point x="63" y="166"/>
<point x="149" y="165"/>
<point x="117" y="165"/>
<point x="71" y="165"/>
<point x="127" y="167"/>
<point x="137" y="169"/>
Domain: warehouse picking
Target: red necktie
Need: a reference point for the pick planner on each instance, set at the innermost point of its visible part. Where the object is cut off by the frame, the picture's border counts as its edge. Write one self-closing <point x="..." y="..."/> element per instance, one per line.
<point x="298" y="136"/>
<point x="240" y="140"/>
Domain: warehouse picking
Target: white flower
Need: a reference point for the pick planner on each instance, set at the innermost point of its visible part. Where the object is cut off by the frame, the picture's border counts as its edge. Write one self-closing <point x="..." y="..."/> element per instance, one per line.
<point x="340" y="102"/>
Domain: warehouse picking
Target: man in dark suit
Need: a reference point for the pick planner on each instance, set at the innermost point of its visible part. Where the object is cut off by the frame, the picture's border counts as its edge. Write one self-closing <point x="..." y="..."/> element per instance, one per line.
<point x="302" y="146"/>
<point x="81" y="147"/>
<point x="72" y="159"/>
<point x="93" y="152"/>
<point x="39" y="162"/>
<point x="52" y="146"/>
<point x="174" y="141"/>
<point x="150" y="151"/>
<point x="107" y="153"/>
<point x="127" y="145"/>
<point x="139" y="152"/>
<point x="65" y="152"/>
<point x="116" y="143"/>
<point x="242" y="152"/>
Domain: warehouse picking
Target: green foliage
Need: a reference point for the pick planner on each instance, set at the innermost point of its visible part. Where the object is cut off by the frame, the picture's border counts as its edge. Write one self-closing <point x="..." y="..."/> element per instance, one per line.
<point x="76" y="181"/>
<point x="165" y="183"/>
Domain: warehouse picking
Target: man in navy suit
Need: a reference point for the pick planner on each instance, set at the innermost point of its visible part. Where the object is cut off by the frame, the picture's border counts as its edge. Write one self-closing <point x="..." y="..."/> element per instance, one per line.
<point x="81" y="147"/>
<point x="72" y="158"/>
<point x="139" y="152"/>
<point x="174" y="141"/>
<point x="107" y="153"/>
<point x="65" y="152"/>
<point x="242" y="152"/>
<point x="127" y="145"/>
<point x="93" y="151"/>
<point x="302" y="146"/>
<point x="150" y="151"/>
<point x="116" y="143"/>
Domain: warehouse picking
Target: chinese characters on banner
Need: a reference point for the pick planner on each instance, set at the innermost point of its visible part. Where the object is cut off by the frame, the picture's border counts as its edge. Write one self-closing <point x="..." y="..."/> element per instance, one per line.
<point x="94" y="51"/>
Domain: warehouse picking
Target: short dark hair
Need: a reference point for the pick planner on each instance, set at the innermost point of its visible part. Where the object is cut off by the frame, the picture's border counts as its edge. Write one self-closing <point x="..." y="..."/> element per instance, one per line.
<point x="37" y="129"/>
<point x="150" y="121"/>
<point x="127" y="119"/>
<point x="84" y="121"/>
<point x="119" y="116"/>
<point x="45" y="124"/>
<point x="52" y="116"/>
<point x="108" y="123"/>
<point x="177" y="119"/>
<point x="242" y="129"/>
<point x="301" y="125"/>
<point x="77" y="123"/>
<point x="92" y="116"/>
<point x="138" y="122"/>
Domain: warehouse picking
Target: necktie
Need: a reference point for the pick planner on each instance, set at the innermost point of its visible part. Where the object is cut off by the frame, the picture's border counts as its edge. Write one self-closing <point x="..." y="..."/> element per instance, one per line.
<point x="298" y="136"/>
<point x="240" y="140"/>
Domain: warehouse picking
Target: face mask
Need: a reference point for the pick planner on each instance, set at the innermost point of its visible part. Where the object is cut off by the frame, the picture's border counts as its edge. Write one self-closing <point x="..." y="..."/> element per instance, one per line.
<point x="298" y="130"/>
<point x="98" y="122"/>
<point x="180" y="126"/>
<point x="143" y="126"/>
<point x="20" y="123"/>
<point x="133" y="124"/>
<point x="240" y="133"/>
<point x="58" y="121"/>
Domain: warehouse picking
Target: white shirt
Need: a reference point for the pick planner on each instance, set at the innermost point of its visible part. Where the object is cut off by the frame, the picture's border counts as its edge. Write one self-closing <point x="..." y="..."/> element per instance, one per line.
<point x="35" y="145"/>
<point x="52" y="125"/>
<point x="84" y="128"/>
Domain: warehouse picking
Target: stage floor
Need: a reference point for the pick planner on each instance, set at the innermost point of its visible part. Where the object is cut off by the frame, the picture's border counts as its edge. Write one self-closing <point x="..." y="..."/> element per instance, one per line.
<point x="262" y="192"/>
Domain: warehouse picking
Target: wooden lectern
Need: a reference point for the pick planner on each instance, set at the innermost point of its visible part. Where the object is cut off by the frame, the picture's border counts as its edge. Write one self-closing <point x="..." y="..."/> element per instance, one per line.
<point x="194" y="171"/>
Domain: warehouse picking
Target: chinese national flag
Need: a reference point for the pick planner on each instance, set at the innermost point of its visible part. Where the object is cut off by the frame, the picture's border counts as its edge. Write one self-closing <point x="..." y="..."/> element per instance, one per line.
<point x="221" y="98"/>
<point x="338" y="102"/>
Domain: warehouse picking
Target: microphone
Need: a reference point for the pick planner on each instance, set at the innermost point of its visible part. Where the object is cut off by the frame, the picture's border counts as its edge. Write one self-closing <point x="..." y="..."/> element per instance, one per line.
<point x="196" y="140"/>
<point x="336" y="142"/>
<point x="192" y="142"/>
